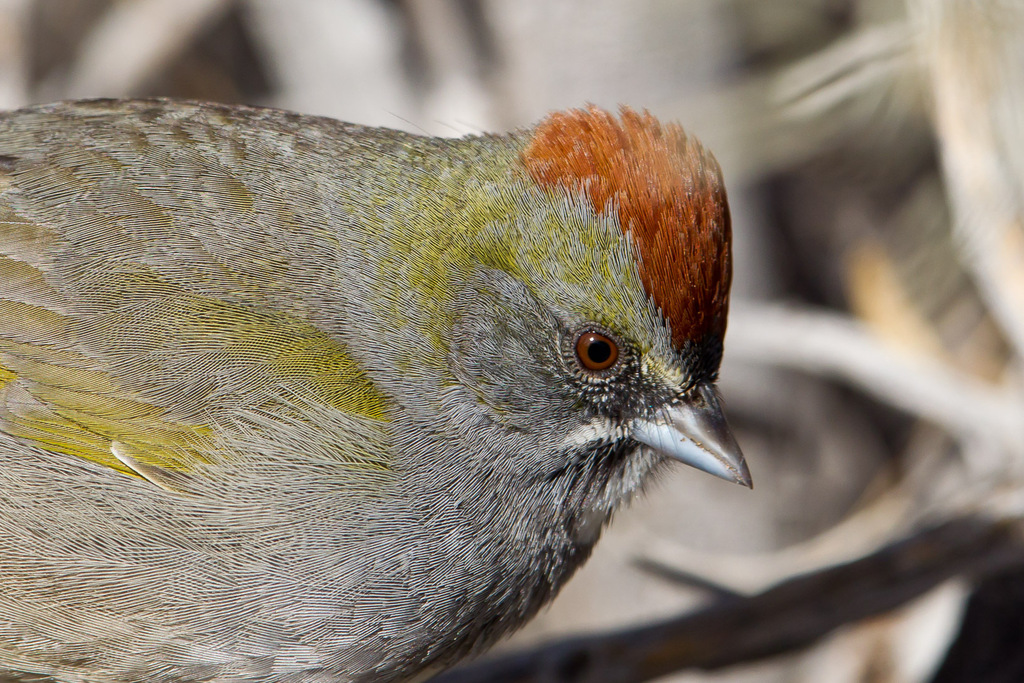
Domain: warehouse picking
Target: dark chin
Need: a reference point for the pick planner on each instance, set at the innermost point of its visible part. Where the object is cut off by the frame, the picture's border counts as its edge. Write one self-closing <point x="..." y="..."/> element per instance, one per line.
<point x="600" y="476"/>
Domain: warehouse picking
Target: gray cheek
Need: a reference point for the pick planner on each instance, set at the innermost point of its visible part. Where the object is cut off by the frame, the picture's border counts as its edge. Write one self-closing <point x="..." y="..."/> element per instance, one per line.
<point x="506" y="351"/>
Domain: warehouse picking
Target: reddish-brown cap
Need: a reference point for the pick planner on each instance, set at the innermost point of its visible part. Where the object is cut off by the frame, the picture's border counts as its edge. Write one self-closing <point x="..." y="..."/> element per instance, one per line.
<point x="669" y="196"/>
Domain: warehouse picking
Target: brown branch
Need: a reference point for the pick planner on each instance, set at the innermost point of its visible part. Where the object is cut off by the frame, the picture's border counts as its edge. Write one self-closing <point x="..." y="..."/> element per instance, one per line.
<point x="787" y="617"/>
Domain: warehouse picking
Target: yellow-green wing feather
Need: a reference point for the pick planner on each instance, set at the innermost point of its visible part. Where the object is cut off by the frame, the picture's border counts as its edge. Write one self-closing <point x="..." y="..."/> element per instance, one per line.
<point x="124" y="340"/>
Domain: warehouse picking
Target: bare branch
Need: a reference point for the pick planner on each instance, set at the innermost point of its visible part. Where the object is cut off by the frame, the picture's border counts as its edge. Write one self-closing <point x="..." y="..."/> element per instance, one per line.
<point x="831" y="344"/>
<point x="133" y="41"/>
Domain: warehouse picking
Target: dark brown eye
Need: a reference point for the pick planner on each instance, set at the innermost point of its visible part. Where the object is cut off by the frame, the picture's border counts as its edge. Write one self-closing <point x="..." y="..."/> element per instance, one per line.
<point x="596" y="351"/>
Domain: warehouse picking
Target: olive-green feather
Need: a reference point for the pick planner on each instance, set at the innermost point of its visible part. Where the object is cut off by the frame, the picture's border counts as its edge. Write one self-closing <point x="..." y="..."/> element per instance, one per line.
<point x="105" y="357"/>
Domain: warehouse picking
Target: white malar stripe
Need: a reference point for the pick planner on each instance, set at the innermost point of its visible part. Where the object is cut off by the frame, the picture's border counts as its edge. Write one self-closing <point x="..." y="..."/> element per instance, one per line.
<point x="601" y="430"/>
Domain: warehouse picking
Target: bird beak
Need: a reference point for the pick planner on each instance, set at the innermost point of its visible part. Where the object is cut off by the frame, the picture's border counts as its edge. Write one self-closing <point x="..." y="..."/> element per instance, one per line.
<point x="695" y="432"/>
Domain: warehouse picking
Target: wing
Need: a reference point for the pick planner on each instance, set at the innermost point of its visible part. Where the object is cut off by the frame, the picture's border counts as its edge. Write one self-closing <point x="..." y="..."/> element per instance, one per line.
<point x="152" y="311"/>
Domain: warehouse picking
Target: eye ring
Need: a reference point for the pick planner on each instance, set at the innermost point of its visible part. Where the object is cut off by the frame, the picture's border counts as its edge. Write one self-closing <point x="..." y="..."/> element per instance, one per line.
<point x="595" y="351"/>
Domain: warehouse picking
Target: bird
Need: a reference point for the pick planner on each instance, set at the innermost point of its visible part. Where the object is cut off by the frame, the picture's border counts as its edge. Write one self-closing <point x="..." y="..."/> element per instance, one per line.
<point x="289" y="399"/>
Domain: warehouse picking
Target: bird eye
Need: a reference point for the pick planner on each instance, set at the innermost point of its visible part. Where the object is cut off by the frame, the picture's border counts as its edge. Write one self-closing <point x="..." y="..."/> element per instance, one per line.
<point x="596" y="351"/>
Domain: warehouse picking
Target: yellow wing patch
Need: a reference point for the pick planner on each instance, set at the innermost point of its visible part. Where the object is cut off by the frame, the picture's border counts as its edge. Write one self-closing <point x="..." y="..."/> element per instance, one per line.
<point x="75" y="388"/>
<point x="38" y="406"/>
<point x="131" y="339"/>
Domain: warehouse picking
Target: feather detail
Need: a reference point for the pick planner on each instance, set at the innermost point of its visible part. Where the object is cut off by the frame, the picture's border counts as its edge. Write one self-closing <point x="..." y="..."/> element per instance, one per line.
<point x="108" y="357"/>
<point x="168" y="480"/>
<point x="668" y="194"/>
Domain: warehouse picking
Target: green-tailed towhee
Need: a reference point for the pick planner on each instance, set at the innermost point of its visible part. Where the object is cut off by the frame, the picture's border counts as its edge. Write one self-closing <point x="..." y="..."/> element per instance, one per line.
<point x="288" y="399"/>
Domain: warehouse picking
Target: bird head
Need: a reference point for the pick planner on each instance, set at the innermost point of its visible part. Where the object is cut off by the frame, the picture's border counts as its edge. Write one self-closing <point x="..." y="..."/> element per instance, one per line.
<point x="586" y="335"/>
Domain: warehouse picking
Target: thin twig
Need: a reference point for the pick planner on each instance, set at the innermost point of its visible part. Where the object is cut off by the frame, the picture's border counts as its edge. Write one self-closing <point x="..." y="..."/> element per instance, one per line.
<point x="132" y="42"/>
<point x="836" y="345"/>
<point x="870" y="528"/>
<point x="843" y="70"/>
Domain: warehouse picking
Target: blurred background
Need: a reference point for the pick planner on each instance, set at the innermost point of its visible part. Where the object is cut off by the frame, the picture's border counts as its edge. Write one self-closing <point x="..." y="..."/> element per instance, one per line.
<point x="874" y="156"/>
